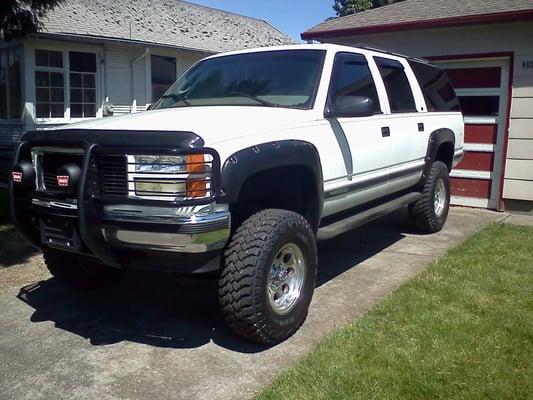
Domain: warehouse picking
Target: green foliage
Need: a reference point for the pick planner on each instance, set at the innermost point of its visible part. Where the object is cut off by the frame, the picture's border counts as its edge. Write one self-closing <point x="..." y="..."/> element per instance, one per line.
<point x="463" y="329"/>
<point x="347" y="7"/>
<point x="19" y="18"/>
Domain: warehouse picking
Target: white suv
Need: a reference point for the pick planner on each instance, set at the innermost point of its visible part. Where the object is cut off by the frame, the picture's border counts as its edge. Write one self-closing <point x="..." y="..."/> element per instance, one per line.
<point x="245" y="161"/>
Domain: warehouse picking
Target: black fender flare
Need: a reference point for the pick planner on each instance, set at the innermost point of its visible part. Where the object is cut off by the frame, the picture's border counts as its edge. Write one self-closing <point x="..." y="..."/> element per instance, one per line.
<point x="436" y="139"/>
<point x="249" y="161"/>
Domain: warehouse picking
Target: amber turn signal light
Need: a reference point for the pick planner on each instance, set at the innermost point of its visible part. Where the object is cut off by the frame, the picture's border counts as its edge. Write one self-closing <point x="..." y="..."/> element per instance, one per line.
<point x="196" y="186"/>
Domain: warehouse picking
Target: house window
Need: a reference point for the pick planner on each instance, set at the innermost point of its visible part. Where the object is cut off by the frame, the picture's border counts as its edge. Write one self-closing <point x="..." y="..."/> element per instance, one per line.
<point x="49" y="84"/>
<point x="10" y="84"/>
<point x="51" y="87"/>
<point x="163" y="75"/>
<point x="82" y="84"/>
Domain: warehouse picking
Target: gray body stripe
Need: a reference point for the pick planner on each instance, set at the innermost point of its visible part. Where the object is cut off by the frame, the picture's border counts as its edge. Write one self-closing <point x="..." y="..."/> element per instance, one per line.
<point x="373" y="170"/>
<point x="372" y="182"/>
<point x="343" y="144"/>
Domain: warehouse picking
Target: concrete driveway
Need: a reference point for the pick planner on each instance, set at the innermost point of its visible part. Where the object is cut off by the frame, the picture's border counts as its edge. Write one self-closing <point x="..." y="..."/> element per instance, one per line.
<point x="152" y="337"/>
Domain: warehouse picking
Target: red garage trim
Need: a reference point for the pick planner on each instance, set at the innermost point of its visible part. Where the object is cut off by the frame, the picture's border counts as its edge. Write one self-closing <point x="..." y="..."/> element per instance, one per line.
<point x="479" y="188"/>
<point x="477" y="161"/>
<point x="486" y="134"/>
<point x="473" y="78"/>
<point x="510" y="56"/>
<point x="510" y="16"/>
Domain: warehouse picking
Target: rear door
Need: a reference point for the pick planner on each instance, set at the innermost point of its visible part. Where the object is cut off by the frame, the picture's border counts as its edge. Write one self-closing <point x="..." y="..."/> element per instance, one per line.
<point x="408" y="135"/>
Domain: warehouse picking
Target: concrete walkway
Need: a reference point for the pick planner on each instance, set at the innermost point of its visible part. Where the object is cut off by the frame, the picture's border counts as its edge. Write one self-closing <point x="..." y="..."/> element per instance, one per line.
<point x="519" y="219"/>
<point x="153" y="338"/>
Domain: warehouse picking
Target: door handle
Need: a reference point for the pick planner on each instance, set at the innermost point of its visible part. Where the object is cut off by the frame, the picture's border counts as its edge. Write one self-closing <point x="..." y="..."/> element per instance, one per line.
<point x="421" y="127"/>
<point x="385" y="131"/>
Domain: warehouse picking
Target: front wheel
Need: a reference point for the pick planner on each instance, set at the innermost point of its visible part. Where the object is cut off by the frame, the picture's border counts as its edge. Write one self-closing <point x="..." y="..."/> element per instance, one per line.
<point x="269" y="276"/>
<point x="429" y="214"/>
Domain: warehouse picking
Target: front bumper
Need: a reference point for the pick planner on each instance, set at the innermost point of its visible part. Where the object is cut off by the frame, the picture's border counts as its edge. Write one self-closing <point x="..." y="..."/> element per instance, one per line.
<point x="181" y="236"/>
<point x="193" y="233"/>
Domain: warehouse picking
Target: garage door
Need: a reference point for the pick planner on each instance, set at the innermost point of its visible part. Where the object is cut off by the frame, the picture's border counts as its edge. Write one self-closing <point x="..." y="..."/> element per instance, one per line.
<point x="482" y="88"/>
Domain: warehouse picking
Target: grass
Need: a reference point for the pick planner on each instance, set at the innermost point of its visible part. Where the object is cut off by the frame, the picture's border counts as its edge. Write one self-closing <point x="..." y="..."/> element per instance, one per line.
<point x="463" y="329"/>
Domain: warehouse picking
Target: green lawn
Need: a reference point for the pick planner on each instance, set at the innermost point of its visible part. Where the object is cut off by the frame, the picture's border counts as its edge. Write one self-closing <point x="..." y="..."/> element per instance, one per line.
<point x="463" y="329"/>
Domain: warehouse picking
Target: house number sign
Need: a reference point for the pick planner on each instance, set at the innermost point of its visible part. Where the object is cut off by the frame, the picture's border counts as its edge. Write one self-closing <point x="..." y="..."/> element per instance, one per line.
<point x="527" y="64"/>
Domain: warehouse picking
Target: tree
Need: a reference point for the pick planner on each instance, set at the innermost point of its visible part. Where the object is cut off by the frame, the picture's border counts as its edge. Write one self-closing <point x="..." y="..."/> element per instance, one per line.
<point x="347" y="7"/>
<point x="18" y="18"/>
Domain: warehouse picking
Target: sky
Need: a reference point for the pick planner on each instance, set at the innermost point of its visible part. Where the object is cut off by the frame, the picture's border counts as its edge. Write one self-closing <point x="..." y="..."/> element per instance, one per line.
<point x="290" y="16"/>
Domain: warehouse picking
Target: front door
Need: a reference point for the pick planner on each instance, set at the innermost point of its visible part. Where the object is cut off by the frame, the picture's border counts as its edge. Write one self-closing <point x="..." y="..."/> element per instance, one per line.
<point x="365" y="146"/>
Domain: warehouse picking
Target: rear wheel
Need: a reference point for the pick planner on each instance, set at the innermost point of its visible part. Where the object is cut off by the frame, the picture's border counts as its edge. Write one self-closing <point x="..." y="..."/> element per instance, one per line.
<point x="269" y="276"/>
<point x="429" y="214"/>
<point x="80" y="272"/>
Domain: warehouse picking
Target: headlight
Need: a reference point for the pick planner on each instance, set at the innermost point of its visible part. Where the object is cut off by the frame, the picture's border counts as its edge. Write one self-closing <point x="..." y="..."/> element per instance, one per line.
<point x="154" y="187"/>
<point x="163" y="164"/>
<point x="168" y="177"/>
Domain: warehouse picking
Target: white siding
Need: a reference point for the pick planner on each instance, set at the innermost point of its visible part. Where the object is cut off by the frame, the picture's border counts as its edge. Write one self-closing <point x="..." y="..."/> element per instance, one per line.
<point x="511" y="37"/>
<point x="518" y="189"/>
<point x="519" y="169"/>
<point x="521" y="149"/>
<point x="118" y="61"/>
<point x="521" y="128"/>
<point x="522" y="107"/>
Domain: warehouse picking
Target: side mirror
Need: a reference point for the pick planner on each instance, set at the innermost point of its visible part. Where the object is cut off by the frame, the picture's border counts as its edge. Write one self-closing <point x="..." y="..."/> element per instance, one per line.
<point x="349" y="107"/>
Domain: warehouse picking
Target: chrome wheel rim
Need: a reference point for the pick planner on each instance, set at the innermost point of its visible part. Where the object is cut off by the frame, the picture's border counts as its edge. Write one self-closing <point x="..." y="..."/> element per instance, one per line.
<point x="439" y="201"/>
<point x="286" y="278"/>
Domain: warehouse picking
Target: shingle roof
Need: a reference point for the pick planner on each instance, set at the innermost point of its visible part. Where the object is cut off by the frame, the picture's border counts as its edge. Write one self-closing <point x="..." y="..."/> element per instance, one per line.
<point x="165" y="22"/>
<point x="412" y="11"/>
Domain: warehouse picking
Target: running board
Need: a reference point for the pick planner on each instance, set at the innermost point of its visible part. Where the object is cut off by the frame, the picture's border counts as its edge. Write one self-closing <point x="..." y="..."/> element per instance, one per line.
<point x="354" y="221"/>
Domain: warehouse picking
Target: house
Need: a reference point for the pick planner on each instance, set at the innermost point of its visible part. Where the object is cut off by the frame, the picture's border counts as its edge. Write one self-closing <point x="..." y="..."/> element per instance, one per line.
<point x="97" y="57"/>
<point x="486" y="47"/>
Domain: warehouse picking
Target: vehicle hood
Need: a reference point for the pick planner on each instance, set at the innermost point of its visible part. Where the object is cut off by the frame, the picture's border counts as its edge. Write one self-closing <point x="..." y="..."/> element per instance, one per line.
<point x="213" y="124"/>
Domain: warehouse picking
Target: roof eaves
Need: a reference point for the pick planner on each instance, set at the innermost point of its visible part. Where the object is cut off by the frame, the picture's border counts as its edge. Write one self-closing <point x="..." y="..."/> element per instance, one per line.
<point x="86" y="38"/>
<point x="501" y="17"/>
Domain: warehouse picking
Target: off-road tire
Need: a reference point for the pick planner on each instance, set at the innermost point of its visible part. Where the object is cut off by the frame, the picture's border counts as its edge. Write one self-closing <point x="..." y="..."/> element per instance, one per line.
<point x="80" y="272"/>
<point x="244" y="276"/>
<point x="423" y="211"/>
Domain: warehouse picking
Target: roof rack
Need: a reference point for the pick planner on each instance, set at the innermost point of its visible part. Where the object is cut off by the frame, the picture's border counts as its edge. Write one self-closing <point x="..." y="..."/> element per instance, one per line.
<point x="366" y="47"/>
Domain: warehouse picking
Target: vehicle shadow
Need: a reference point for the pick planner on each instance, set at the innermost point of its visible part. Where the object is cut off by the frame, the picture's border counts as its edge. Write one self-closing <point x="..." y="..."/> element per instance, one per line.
<point x="152" y="309"/>
<point x="14" y="249"/>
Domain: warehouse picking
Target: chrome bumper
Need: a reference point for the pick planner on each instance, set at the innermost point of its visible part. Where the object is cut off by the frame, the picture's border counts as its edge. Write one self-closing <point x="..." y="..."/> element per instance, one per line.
<point x="196" y="233"/>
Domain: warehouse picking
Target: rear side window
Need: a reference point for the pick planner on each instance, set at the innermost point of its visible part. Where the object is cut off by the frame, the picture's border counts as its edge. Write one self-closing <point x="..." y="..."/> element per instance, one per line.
<point x="436" y="86"/>
<point x="352" y="77"/>
<point x="399" y="91"/>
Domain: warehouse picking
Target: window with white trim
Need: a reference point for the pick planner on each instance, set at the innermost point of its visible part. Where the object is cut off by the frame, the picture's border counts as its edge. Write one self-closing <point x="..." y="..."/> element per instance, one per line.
<point x="58" y="87"/>
<point x="49" y="84"/>
<point x="82" y="84"/>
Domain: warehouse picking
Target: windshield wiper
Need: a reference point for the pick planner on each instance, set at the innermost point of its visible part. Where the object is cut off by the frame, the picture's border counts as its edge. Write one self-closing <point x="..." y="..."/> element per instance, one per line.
<point x="251" y="96"/>
<point x="177" y="96"/>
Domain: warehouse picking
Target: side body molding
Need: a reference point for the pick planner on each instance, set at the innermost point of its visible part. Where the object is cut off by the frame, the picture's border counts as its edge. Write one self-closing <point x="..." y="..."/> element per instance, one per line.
<point x="267" y="156"/>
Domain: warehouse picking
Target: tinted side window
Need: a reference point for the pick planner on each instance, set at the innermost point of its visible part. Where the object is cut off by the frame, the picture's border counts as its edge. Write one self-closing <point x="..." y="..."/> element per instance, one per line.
<point x="352" y="77"/>
<point x="401" y="97"/>
<point x="436" y="86"/>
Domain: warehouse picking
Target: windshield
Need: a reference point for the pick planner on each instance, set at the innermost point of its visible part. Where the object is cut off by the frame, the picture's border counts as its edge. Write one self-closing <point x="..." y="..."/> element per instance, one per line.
<point x="287" y="78"/>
